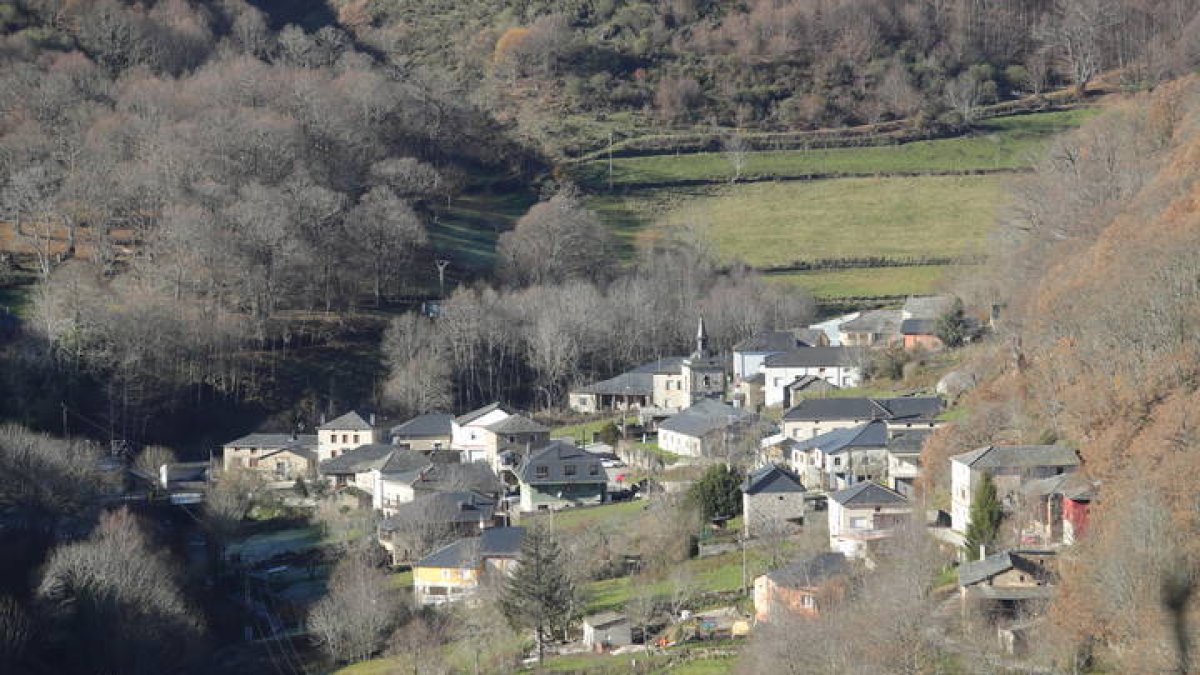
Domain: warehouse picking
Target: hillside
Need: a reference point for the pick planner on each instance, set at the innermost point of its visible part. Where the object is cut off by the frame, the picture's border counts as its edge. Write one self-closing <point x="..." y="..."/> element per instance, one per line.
<point x="575" y="75"/>
<point x="1100" y="291"/>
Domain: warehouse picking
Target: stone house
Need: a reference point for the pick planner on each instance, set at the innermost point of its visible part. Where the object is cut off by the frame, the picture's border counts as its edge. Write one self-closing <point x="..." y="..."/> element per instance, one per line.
<point x="606" y="630"/>
<point x="657" y="388"/>
<point x="510" y="439"/>
<point x="1010" y="584"/>
<point x="772" y="502"/>
<point x="920" y="334"/>
<point x="426" y="433"/>
<point x="275" y="456"/>
<point x="366" y="466"/>
<point x="1010" y="467"/>
<point x="864" y="514"/>
<point x="803" y="588"/>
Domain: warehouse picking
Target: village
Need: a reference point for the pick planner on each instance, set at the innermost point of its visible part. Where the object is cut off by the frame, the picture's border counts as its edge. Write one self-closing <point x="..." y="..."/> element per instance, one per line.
<point x="828" y="478"/>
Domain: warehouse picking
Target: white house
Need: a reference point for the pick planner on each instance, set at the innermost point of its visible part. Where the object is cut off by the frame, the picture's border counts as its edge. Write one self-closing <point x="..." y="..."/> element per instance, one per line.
<point x="904" y="460"/>
<point x="864" y="513"/>
<point x="469" y="434"/>
<point x="1010" y="467"/>
<point x="839" y="458"/>
<point x="343" y="434"/>
<point x="606" y="630"/>
<point x="839" y="366"/>
<point x="703" y="430"/>
<point x="748" y="355"/>
<point x="813" y="417"/>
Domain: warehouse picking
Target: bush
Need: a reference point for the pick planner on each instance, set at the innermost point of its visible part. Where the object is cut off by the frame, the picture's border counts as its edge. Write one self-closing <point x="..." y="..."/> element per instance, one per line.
<point x="718" y="493"/>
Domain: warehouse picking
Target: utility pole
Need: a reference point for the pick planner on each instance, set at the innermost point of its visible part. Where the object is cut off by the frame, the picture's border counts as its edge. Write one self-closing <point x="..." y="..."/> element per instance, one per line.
<point x="442" y="264"/>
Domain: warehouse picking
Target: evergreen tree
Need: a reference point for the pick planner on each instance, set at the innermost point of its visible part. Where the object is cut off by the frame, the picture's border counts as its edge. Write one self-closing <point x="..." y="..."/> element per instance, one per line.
<point x="952" y="327"/>
<point x="718" y="492"/>
<point x="986" y="514"/>
<point x="540" y="594"/>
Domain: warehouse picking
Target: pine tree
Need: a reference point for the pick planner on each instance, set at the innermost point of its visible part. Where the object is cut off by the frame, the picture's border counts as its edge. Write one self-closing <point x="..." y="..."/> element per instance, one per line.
<point x="986" y="514"/>
<point x="718" y="492"/>
<point x="951" y="327"/>
<point x="540" y="594"/>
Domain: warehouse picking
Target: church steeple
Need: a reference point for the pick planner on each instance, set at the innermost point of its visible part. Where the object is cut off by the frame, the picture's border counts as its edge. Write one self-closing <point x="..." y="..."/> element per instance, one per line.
<point x="701" y="341"/>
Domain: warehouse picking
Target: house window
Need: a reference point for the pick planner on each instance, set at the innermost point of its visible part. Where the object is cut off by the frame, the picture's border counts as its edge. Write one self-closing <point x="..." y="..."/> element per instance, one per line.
<point x="594" y="470"/>
<point x="355" y="438"/>
<point x="837" y="461"/>
<point x="345" y="438"/>
<point x="569" y="470"/>
<point x="541" y="471"/>
<point x="707" y="381"/>
<point x="512" y="439"/>
<point x="808" y="601"/>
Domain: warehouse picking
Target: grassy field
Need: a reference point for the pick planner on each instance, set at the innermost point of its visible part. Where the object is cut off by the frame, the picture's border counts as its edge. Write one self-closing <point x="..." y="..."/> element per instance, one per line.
<point x="470" y="227"/>
<point x="1002" y="143"/>
<point x="578" y="519"/>
<point x="777" y="223"/>
<point x="719" y="573"/>
<point x="869" y="281"/>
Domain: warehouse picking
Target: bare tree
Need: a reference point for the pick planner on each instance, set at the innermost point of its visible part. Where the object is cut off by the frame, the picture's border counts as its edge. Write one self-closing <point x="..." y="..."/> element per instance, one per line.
<point x="737" y="151"/>
<point x="352" y="621"/>
<point x="152" y="458"/>
<point x="116" y="600"/>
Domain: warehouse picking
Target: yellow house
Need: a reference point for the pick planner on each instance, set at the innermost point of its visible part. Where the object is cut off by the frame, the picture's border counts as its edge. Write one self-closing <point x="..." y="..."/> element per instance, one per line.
<point x="453" y="572"/>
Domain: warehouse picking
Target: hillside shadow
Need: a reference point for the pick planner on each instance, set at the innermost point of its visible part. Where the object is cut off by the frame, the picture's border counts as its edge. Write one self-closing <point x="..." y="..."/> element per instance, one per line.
<point x="308" y="14"/>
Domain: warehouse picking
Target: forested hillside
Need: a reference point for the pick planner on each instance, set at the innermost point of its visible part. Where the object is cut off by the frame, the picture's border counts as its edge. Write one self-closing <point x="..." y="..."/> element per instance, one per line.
<point x="186" y="184"/>
<point x="1099" y="279"/>
<point x="571" y="72"/>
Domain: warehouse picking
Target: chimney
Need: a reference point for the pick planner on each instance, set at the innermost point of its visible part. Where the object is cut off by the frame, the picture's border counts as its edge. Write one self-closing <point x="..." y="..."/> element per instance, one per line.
<point x="372" y="419"/>
<point x="982" y="551"/>
<point x="322" y="419"/>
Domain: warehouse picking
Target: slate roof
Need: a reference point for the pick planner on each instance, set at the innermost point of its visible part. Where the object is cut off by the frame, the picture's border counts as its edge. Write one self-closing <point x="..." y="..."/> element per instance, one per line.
<point x="459" y="506"/>
<point x="476" y="476"/>
<point x="908" y="442"/>
<point x="501" y="542"/>
<point x="554" y="457"/>
<point x="868" y="493"/>
<point x="912" y="409"/>
<point x="918" y="327"/>
<point x="636" y="382"/>
<point x="670" y="365"/>
<point x="306" y="451"/>
<point x="876" y="321"/>
<point x="813" y="357"/>
<point x="867" y="435"/>
<point x="771" y="479"/>
<point x="1070" y="485"/>
<point x="928" y="306"/>
<point x="429" y="425"/>
<point x="970" y="573"/>
<point x="601" y="619"/>
<point x="273" y="441"/>
<point x="382" y="457"/>
<point x="703" y="418"/>
<point x="771" y="341"/>
<point x="466" y="418"/>
<point x="462" y="554"/>
<point x="516" y="424"/>
<point x="1009" y="456"/>
<point x="810" y="572"/>
<point x="351" y="421"/>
